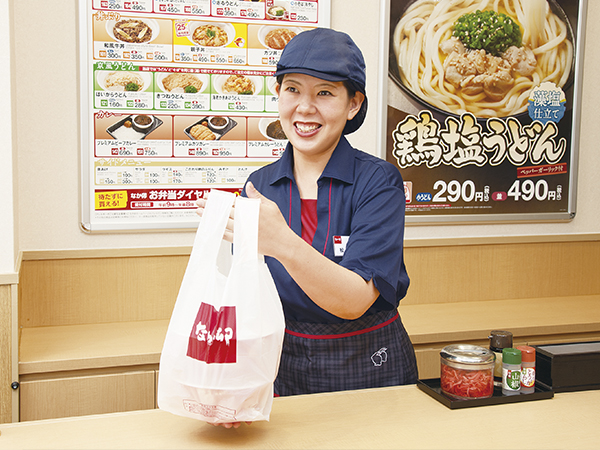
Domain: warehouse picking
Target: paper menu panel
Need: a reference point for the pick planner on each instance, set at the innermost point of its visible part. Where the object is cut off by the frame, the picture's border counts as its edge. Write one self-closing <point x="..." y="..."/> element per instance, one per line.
<point x="277" y="10"/>
<point x="201" y="74"/>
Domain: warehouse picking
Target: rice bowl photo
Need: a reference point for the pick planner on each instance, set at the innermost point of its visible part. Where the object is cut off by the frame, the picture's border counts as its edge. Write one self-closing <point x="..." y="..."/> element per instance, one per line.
<point x="211" y="34"/>
<point x="277" y="37"/>
<point x="132" y="30"/>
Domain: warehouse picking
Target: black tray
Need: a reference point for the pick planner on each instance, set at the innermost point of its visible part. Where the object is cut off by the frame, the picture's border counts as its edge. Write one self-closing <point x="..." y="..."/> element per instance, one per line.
<point x="432" y="388"/>
<point x="110" y="130"/>
<point x="218" y="133"/>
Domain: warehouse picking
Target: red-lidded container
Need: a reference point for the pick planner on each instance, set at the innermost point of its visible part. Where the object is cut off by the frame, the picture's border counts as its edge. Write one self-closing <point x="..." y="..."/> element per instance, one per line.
<point x="467" y="371"/>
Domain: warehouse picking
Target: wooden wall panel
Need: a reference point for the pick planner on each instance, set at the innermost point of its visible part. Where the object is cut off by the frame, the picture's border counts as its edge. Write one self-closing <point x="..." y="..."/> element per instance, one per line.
<point x="99" y="290"/>
<point x="5" y="353"/>
<point x="84" y="395"/>
<point x="502" y="271"/>
<point x="125" y="288"/>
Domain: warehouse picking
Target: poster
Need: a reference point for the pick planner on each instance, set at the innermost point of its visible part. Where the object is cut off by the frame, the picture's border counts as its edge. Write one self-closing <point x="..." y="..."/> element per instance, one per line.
<point x="483" y="108"/>
<point x="178" y="97"/>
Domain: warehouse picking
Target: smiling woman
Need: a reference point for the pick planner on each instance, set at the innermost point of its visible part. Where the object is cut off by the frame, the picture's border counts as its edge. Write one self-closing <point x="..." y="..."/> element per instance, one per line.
<point x="331" y="228"/>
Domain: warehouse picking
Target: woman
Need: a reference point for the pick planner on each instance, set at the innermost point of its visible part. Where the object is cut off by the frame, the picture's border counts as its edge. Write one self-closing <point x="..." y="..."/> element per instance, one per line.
<point x="331" y="227"/>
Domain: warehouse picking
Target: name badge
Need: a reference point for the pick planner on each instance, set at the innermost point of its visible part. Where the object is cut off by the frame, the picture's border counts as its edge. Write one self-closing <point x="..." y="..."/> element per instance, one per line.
<point x="339" y="245"/>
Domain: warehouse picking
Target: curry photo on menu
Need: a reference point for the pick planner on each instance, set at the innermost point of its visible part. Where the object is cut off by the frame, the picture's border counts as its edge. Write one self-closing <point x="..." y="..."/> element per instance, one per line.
<point x="479" y="56"/>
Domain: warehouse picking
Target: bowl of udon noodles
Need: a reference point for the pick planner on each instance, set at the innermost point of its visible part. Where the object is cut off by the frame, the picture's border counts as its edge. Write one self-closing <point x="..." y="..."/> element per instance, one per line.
<point x="433" y="67"/>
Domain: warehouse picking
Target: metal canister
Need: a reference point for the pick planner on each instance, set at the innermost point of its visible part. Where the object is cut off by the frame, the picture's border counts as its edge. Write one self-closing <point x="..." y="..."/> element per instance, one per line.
<point x="467" y="371"/>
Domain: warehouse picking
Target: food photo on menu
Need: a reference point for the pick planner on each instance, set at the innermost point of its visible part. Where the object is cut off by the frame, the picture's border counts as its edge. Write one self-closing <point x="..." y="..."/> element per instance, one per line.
<point x="277" y="37"/>
<point x="238" y="84"/>
<point x="209" y="135"/>
<point x="123" y="81"/>
<point x="182" y="83"/>
<point x="135" y="31"/>
<point x="484" y="59"/>
<point x="211" y="34"/>
<point x="210" y="128"/>
<point x="132" y="127"/>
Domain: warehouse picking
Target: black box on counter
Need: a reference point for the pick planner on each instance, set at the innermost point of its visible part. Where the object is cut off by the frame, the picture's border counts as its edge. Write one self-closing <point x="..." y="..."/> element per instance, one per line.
<point x="569" y="367"/>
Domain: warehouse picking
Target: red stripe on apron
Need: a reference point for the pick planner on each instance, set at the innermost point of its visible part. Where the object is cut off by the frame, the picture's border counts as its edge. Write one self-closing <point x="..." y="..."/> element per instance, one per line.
<point x="342" y="335"/>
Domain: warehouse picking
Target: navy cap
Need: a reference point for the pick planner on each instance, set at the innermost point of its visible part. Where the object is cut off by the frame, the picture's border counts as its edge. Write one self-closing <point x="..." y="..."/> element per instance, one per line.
<point x="329" y="55"/>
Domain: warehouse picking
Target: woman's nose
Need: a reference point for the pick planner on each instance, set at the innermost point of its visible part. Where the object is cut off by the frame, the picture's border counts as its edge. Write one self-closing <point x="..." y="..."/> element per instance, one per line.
<point x="306" y="104"/>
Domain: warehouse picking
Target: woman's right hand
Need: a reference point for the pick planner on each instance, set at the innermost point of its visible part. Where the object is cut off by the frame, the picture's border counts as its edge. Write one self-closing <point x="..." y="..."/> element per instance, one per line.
<point x="228" y="234"/>
<point x="273" y="230"/>
<point x="229" y="424"/>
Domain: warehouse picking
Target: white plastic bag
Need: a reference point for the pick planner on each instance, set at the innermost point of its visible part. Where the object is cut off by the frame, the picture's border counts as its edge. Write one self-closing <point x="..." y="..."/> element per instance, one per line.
<point x="222" y="349"/>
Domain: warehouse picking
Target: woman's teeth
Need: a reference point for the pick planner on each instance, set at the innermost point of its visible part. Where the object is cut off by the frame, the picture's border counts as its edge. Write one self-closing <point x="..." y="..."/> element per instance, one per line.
<point x="304" y="128"/>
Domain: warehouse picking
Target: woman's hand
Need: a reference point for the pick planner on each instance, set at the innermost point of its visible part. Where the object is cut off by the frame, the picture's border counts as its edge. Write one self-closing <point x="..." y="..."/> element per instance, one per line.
<point x="273" y="230"/>
<point x="272" y="227"/>
<point x="228" y="234"/>
<point x="229" y="424"/>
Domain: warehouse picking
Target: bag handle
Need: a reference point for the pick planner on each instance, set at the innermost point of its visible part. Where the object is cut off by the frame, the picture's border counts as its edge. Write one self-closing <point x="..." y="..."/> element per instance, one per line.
<point x="245" y="230"/>
<point x="212" y="226"/>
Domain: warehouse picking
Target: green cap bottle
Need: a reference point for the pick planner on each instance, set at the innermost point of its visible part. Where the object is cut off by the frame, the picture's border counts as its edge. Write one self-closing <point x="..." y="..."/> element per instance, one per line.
<point x="511" y="371"/>
<point x="511" y="356"/>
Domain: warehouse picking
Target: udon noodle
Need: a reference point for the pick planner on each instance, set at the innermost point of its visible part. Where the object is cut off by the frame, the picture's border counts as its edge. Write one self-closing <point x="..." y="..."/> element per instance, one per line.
<point x="427" y="24"/>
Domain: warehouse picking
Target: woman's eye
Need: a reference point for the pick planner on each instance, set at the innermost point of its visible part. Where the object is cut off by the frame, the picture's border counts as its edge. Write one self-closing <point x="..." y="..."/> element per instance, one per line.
<point x="324" y="93"/>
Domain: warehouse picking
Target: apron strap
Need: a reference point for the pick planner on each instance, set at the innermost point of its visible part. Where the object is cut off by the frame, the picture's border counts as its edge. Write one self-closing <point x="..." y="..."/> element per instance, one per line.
<point x="356" y="327"/>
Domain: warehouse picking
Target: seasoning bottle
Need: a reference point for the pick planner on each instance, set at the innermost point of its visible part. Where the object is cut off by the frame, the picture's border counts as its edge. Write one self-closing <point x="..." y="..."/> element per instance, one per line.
<point x="511" y="371"/>
<point x="527" y="369"/>
<point x="499" y="340"/>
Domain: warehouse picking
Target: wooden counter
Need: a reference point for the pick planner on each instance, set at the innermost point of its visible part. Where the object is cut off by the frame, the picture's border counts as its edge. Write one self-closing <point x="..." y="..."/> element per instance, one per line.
<point x="399" y="417"/>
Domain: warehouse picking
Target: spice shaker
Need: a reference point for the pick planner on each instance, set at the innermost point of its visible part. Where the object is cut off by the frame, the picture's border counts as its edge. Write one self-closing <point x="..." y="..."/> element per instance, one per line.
<point x="499" y="340"/>
<point x="511" y="371"/>
<point x="527" y="369"/>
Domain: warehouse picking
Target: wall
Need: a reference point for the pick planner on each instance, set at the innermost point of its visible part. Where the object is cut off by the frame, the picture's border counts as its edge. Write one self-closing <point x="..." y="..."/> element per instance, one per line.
<point x="7" y="217"/>
<point x="45" y="68"/>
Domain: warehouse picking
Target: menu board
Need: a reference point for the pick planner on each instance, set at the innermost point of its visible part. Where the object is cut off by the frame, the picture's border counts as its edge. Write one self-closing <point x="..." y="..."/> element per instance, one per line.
<point x="483" y="108"/>
<point x="178" y="97"/>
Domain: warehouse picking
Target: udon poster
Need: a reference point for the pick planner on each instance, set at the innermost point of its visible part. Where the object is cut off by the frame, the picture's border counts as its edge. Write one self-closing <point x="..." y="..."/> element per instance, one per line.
<point x="177" y="98"/>
<point x="483" y="108"/>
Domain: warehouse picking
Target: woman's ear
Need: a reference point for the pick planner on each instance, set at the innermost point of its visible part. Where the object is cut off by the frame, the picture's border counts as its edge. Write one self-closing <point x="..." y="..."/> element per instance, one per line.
<point x="355" y="104"/>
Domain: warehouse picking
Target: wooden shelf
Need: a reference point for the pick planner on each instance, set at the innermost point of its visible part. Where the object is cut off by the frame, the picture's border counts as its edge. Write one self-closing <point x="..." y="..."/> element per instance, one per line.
<point x="91" y="346"/>
<point x="451" y="322"/>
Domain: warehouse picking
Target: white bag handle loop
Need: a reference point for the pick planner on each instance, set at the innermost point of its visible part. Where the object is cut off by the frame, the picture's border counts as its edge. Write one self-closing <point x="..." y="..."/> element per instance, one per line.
<point x="245" y="229"/>
<point x="212" y="226"/>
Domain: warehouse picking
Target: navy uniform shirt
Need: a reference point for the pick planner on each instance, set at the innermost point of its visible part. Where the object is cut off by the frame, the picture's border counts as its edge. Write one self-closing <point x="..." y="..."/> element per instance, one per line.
<point x="360" y="209"/>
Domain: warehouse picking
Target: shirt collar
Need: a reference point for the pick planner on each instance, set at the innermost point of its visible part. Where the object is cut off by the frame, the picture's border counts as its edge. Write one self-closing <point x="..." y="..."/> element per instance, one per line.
<point x="340" y="165"/>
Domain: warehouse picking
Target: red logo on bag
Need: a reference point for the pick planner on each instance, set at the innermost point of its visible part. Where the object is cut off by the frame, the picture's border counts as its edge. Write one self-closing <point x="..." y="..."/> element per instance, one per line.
<point x="213" y="337"/>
